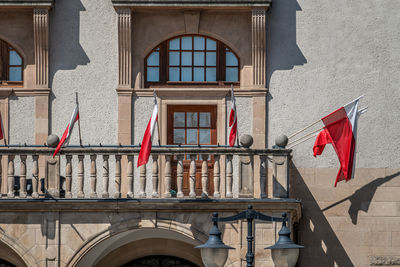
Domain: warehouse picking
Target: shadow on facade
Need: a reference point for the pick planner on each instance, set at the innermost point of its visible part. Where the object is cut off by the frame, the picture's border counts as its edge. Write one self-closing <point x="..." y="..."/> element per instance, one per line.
<point x="282" y="50"/>
<point x="361" y="199"/>
<point x="322" y="246"/>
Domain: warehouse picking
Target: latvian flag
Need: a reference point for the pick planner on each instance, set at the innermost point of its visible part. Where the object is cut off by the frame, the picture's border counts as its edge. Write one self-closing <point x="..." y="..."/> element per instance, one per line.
<point x="340" y="130"/>
<point x="233" y="120"/>
<point x="68" y="131"/>
<point x="148" y="134"/>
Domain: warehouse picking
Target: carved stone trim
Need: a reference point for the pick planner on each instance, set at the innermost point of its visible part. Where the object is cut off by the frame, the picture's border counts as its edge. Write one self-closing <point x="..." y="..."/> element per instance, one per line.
<point x="204" y="92"/>
<point x="192" y="21"/>
<point x="124" y="47"/>
<point x="41" y="43"/>
<point x="258" y="46"/>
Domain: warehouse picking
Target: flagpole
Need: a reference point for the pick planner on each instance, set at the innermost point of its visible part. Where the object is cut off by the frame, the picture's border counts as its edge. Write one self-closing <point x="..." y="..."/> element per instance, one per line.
<point x="158" y="126"/>
<point x="79" y="120"/>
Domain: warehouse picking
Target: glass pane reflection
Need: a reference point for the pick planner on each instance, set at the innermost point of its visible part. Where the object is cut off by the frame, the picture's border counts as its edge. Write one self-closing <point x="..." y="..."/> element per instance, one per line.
<point x="154" y="59"/>
<point x="174" y="44"/>
<point x="187" y="74"/>
<point x="198" y="43"/>
<point x="231" y="59"/>
<point x="174" y="74"/>
<point x="191" y="136"/>
<point x="205" y="119"/>
<point x="186" y="58"/>
<point x="191" y="119"/>
<point x="211" y="75"/>
<point x="179" y="136"/>
<point x="179" y="119"/>
<point x="211" y="44"/>
<point x="199" y="58"/>
<point x="174" y="58"/>
<point x="153" y="74"/>
<point x="198" y="74"/>
<point x="186" y="43"/>
<point x="211" y="58"/>
<point x="205" y="136"/>
<point x="15" y="74"/>
<point x="231" y="74"/>
<point x="15" y="59"/>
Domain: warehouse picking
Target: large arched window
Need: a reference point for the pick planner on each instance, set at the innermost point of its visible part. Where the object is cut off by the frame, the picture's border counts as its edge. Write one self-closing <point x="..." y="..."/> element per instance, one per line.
<point x="10" y="65"/>
<point x="191" y="59"/>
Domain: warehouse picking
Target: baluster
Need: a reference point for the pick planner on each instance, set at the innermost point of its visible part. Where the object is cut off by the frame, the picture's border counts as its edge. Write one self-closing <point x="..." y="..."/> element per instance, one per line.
<point x="93" y="176"/>
<point x="179" y="174"/>
<point x="204" y="175"/>
<point x="22" y="177"/>
<point x="192" y="176"/>
<point x="167" y="174"/>
<point x="81" y="176"/>
<point x="68" y="177"/>
<point x="217" y="194"/>
<point x="263" y="176"/>
<point x="129" y="175"/>
<point x="35" y="176"/>
<point x="155" y="177"/>
<point x="10" y="176"/>
<point x="229" y="170"/>
<point x="142" y="181"/>
<point x="106" y="177"/>
<point x="117" y="193"/>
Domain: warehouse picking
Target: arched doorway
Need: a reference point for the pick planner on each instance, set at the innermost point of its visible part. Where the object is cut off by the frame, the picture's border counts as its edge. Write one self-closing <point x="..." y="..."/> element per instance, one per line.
<point x="160" y="261"/>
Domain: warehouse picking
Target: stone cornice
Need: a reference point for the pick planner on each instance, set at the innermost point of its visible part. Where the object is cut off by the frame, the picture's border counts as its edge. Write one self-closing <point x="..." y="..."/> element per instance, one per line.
<point x="26" y="3"/>
<point x="192" y="3"/>
<point x="291" y="206"/>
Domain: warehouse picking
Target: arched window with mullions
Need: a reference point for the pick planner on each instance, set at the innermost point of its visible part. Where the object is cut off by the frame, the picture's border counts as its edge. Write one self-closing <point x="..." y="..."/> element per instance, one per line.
<point x="11" y="64"/>
<point x="191" y="59"/>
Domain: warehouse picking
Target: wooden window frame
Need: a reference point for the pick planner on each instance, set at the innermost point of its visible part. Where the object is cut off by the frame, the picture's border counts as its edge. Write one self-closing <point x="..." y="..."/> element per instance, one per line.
<point x="164" y="65"/>
<point x="7" y="83"/>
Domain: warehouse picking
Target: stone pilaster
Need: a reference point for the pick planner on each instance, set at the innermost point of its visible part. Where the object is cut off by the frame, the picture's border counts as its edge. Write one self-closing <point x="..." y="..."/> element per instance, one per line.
<point x="41" y="39"/>
<point x="124" y="47"/>
<point x="258" y="45"/>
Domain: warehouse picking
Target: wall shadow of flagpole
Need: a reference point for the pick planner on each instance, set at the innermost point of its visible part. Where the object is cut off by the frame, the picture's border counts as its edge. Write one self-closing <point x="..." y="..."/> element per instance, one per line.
<point x="361" y="198"/>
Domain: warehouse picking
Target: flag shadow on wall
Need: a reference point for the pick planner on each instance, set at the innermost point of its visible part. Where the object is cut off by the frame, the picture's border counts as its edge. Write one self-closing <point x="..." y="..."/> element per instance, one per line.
<point x="361" y="199"/>
<point x="322" y="246"/>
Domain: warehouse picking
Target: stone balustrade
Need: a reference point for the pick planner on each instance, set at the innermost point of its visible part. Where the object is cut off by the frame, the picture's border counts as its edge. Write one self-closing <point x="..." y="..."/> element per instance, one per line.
<point x="226" y="163"/>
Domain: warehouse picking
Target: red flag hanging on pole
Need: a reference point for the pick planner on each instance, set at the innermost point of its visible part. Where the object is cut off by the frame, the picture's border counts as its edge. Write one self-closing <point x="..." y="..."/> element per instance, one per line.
<point x="67" y="133"/>
<point x="145" y="148"/>
<point x="233" y="120"/>
<point x="340" y="130"/>
<point x="2" y="134"/>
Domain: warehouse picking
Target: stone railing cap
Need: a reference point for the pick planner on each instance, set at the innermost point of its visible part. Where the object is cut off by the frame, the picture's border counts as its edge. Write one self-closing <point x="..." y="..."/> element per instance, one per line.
<point x="26" y="3"/>
<point x="193" y="3"/>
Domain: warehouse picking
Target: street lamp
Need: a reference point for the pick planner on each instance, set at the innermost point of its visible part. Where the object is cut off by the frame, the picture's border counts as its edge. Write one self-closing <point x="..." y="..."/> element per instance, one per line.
<point x="214" y="252"/>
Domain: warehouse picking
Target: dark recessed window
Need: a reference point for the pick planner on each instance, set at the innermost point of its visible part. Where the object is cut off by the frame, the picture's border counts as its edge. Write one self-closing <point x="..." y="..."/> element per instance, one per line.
<point x="10" y="65"/>
<point x="191" y="59"/>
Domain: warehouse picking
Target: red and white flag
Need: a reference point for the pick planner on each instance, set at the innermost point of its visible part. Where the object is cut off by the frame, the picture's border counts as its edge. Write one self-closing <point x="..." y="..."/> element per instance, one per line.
<point x="233" y="121"/>
<point x="67" y="133"/>
<point x="148" y="135"/>
<point x="340" y="130"/>
<point x="1" y="128"/>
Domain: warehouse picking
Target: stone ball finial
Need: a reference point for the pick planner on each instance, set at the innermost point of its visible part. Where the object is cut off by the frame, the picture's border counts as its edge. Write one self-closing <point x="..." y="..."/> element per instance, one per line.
<point x="52" y="140"/>
<point x="246" y="140"/>
<point x="281" y="141"/>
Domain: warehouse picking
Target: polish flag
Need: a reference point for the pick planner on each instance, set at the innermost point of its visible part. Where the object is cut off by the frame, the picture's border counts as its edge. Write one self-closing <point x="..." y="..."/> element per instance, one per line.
<point x="67" y="133"/>
<point x="148" y="135"/>
<point x="340" y="130"/>
<point x="1" y="128"/>
<point x="233" y="121"/>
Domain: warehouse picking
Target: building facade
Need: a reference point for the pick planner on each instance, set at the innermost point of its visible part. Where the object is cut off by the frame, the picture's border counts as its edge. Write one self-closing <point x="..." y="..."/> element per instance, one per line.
<point x="289" y="62"/>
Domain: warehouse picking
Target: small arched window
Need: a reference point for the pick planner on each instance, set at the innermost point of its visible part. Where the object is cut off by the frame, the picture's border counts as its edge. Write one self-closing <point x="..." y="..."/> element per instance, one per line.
<point x="191" y="59"/>
<point x="10" y="65"/>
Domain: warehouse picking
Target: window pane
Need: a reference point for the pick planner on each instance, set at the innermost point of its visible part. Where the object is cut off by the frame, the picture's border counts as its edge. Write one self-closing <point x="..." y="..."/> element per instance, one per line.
<point x="179" y="136"/>
<point x="186" y="43"/>
<point x="205" y="136"/>
<point x="231" y="74"/>
<point x="211" y="58"/>
<point x="199" y="58"/>
<point x="211" y="44"/>
<point x="15" y="59"/>
<point x="231" y="59"/>
<point x="179" y="119"/>
<point x="15" y="74"/>
<point x="191" y="136"/>
<point x="211" y="75"/>
<point x="174" y="44"/>
<point x="174" y="74"/>
<point x="186" y="74"/>
<point x="191" y="119"/>
<point x="153" y="74"/>
<point x="187" y="58"/>
<point x="198" y="74"/>
<point x="198" y="43"/>
<point x="205" y="119"/>
<point x="154" y="59"/>
<point x="174" y="58"/>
